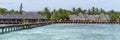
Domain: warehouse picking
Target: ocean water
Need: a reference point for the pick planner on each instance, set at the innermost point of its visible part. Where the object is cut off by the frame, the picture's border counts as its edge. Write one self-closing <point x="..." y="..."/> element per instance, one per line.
<point x="67" y="32"/>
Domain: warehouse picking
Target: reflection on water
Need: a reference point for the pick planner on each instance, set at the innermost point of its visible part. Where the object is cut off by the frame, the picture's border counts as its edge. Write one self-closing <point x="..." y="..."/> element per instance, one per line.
<point x="67" y="32"/>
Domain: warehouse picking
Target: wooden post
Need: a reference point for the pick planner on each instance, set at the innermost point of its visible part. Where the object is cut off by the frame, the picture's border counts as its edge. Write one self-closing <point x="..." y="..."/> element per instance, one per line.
<point x="5" y="30"/>
<point x="11" y="29"/>
<point x="14" y="28"/>
<point x="2" y="30"/>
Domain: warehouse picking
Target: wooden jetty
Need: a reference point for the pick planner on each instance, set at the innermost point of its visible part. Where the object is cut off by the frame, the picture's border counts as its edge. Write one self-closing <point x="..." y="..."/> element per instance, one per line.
<point x="87" y="22"/>
<point x="10" y="28"/>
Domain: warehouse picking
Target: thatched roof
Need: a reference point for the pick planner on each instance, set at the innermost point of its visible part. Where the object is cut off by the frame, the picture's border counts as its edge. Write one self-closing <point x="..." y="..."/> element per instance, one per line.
<point x="74" y="17"/>
<point x="102" y="17"/>
<point x="86" y="16"/>
<point x="25" y="15"/>
<point x="91" y="17"/>
<point x="81" y="16"/>
<point x="107" y="16"/>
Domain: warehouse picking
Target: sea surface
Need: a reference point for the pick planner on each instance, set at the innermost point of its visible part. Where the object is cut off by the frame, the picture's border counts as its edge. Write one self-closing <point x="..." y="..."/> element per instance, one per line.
<point x="67" y="32"/>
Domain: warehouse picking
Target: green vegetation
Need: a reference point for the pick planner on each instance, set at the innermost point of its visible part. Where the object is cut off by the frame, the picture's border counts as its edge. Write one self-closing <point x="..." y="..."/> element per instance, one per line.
<point x="113" y="15"/>
<point x="21" y="6"/>
<point x="63" y="14"/>
<point x="46" y="12"/>
<point x="60" y="14"/>
<point x="4" y="11"/>
<point x="55" y="14"/>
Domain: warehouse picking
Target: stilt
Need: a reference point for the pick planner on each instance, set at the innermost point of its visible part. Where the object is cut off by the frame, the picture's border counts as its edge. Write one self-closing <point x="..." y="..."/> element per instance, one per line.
<point x="2" y="30"/>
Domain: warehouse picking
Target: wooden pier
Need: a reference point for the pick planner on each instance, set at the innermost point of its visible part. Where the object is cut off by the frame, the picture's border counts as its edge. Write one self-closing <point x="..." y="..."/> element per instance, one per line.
<point x="10" y="28"/>
<point x="87" y="22"/>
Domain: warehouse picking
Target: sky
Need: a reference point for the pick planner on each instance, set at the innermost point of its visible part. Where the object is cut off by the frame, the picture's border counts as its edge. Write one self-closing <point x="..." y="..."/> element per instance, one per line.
<point x="36" y="5"/>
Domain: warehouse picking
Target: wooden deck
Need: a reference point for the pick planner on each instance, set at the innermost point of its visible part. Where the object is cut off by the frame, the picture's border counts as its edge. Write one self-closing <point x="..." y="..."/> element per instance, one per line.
<point x="16" y="27"/>
<point x="88" y="22"/>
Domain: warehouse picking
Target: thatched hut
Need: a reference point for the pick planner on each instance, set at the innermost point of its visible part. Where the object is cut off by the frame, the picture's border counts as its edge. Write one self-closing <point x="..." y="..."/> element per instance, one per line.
<point x="90" y="18"/>
<point x="26" y="17"/>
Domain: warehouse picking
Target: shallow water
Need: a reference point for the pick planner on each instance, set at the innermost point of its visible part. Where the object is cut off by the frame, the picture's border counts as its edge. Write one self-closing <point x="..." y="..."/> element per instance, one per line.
<point x="67" y="32"/>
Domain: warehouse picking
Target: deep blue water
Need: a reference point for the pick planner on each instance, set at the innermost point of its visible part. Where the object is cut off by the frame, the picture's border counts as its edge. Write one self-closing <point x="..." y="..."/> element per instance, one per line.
<point x="67" y="32"/>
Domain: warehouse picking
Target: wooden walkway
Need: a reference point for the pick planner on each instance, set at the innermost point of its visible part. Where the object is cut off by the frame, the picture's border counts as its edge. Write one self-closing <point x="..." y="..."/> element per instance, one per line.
<point x="10" y="28"/>
<point x="87" y="22"/>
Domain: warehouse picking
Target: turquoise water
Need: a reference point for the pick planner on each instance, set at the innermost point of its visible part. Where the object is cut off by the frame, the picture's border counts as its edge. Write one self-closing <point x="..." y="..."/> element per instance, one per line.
<point x="67" y="32"/>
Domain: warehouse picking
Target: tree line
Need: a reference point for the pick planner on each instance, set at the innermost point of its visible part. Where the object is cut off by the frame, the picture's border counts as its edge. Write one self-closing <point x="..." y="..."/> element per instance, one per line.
<point x="63" y="14"/>
<point x="4" y="11"/>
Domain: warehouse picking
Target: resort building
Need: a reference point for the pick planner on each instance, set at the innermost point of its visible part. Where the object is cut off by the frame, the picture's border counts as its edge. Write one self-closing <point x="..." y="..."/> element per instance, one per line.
<point x="89" y="18"/>
<point x="74" y="18"/>
<point x="24" y="18"/>
<point x="104" y="18"/>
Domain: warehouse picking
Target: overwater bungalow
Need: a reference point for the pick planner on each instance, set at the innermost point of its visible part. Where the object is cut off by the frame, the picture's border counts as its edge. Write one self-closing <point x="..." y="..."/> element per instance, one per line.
<point x="74" y="18"/>
<point x="90" y="18"/>
<point x="81" y="15"/>
<point x="24" y="18"/>
<point x="104" y="18"/>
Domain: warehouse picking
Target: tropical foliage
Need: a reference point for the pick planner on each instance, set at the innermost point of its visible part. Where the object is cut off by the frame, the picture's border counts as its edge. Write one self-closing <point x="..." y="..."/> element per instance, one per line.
<point x="4" y="11"/>
<point x="46" y="12"/>
<point x="63" y="14"/>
